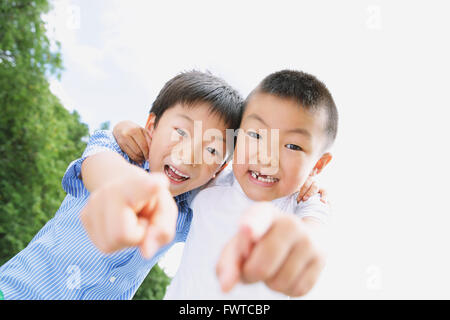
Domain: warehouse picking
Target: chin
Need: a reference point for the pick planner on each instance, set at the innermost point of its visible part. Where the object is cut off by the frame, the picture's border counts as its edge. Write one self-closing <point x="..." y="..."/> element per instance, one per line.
<point x="257" y="196"/>
<point x="176" y="192"/>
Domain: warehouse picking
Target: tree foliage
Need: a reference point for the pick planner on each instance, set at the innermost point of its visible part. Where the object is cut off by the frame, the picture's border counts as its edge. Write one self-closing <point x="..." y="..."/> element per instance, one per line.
<point x="154" y="286"/>
<point x="38" y="136"/>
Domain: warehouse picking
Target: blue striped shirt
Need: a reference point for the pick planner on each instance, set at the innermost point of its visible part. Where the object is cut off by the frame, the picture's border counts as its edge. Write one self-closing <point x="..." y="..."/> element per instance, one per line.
<point x="61" y="262"/>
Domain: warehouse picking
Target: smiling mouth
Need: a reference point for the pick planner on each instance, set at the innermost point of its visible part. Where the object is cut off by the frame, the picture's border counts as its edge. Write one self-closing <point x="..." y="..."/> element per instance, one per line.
<point x="175" y="175"/>
<point x="262" y="179"/>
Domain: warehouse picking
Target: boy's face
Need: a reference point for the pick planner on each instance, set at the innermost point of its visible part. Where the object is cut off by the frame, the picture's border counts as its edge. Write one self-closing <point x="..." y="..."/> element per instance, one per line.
<point x="186" y="145"/>
<point x="279" y="165"/>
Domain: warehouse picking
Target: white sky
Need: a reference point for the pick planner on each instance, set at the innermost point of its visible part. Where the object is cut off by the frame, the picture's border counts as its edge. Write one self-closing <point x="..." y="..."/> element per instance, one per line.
<point x="387" y="66"/>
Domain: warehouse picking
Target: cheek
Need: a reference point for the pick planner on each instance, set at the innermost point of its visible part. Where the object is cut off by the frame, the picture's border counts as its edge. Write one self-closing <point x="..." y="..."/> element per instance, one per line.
<point x="206" y="174"/>
<point x="239" y="169"/>
<point x="293" y="182"/>
<point x="241" y="155"/>
<point x="162" y="144"/>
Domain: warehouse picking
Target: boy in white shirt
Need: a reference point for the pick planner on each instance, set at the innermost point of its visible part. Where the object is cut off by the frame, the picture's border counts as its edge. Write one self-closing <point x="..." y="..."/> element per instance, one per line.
<point x="303" y="111"/>
<point x="279" y="251"/>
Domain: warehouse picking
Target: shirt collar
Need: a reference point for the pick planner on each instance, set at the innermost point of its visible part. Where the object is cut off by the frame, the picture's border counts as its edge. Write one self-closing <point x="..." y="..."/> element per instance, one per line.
<point x="183" y="198"/>
<point x="146" y="166"/>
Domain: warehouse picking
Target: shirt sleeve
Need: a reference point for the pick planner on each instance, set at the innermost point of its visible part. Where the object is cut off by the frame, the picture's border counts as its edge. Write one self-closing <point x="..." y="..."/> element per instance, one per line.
<point x="100" y="141"/>
<point x="314" y="208"/>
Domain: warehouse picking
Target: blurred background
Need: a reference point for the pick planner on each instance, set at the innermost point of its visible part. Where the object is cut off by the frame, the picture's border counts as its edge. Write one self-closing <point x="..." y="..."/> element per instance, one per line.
<point x="69" y="67"/>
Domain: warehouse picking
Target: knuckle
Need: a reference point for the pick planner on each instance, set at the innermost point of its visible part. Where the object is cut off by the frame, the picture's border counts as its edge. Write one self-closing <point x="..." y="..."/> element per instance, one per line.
<point x="303" y="244"/>
<point x="288" y="223"/>
<point x="305" y="241"/>
<point x="256" y="271"/>
<point x="120" y="233"/>
<point x="300" y="291"/>
<point x="276" y="285"/>
<point x="120" y="236"/>
<point x="134" y="131"/>
<point x="124" y="131"/>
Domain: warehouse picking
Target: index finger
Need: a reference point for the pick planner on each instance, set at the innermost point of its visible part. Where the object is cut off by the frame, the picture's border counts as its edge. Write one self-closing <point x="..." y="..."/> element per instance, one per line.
<point x="228" y="268"/>
<point x="162" y="223"/>
<point x="253" y="225"/>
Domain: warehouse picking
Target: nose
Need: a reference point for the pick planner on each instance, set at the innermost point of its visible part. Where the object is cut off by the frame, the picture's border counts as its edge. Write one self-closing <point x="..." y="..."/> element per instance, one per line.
<point x="270" y="165"/>
<point x="195" y="152"/>
<point x="269" y="155"/>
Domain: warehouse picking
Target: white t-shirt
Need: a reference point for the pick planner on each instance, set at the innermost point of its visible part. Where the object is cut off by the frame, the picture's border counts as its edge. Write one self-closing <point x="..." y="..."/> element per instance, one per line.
<point x="216" y="212"/>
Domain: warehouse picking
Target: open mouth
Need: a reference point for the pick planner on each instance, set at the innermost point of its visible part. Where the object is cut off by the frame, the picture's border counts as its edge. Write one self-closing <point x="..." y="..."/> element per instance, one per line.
<point x="175" y="175"/>
<point x="261" y="179"/>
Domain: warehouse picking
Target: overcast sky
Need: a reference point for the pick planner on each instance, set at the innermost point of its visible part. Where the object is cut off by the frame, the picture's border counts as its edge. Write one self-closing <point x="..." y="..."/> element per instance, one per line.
<point x="385" y="62"/>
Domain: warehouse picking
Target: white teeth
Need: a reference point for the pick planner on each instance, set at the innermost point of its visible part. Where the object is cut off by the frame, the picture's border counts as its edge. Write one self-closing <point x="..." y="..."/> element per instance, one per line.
<point x="257" y="176"/>
<point x="178" y="172"/>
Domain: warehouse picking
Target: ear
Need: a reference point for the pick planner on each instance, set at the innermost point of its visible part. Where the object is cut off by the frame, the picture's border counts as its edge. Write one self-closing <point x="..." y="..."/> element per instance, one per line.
<point x="321" y="163"/>
<point x="150" y="125"/>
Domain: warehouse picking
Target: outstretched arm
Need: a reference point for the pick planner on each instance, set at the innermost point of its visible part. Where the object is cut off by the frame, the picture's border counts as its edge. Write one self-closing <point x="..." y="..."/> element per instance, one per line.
<point x="282" y="250"/>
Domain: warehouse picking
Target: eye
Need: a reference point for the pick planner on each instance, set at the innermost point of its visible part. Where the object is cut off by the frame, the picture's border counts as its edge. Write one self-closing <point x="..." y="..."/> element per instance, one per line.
<point x="211" y="150"/>
<point x="180" y="132"/>
<point x="293" y="147"/>
<point x="254" y="134"/>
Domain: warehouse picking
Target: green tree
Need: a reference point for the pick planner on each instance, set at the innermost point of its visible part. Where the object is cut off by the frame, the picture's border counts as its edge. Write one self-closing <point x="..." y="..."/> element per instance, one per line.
<point x="154" y="285"/>
<point x="105" y="125"/>
<point x="38" y="136"/>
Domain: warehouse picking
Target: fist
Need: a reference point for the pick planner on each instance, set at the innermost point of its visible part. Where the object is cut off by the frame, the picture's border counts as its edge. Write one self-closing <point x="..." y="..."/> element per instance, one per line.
<point x="276" y="248"/>
<point x="133" y="139"/>
<point x="136" y="211"/>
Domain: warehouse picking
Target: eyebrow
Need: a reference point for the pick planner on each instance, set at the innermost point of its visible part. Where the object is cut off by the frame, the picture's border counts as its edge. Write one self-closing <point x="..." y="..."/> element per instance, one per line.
<point x="219" y="138"/>
<point x="256" y="117"/>
<point x="190" y="119"/>
<point x="185" y="116"/>
<point x="300" y="131"/>
<point x="296" y="130"/>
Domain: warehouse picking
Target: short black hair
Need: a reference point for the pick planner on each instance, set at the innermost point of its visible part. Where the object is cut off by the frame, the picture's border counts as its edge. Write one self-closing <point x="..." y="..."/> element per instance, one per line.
<point x="193" y="87"/>
<point x="307" y="90"/>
